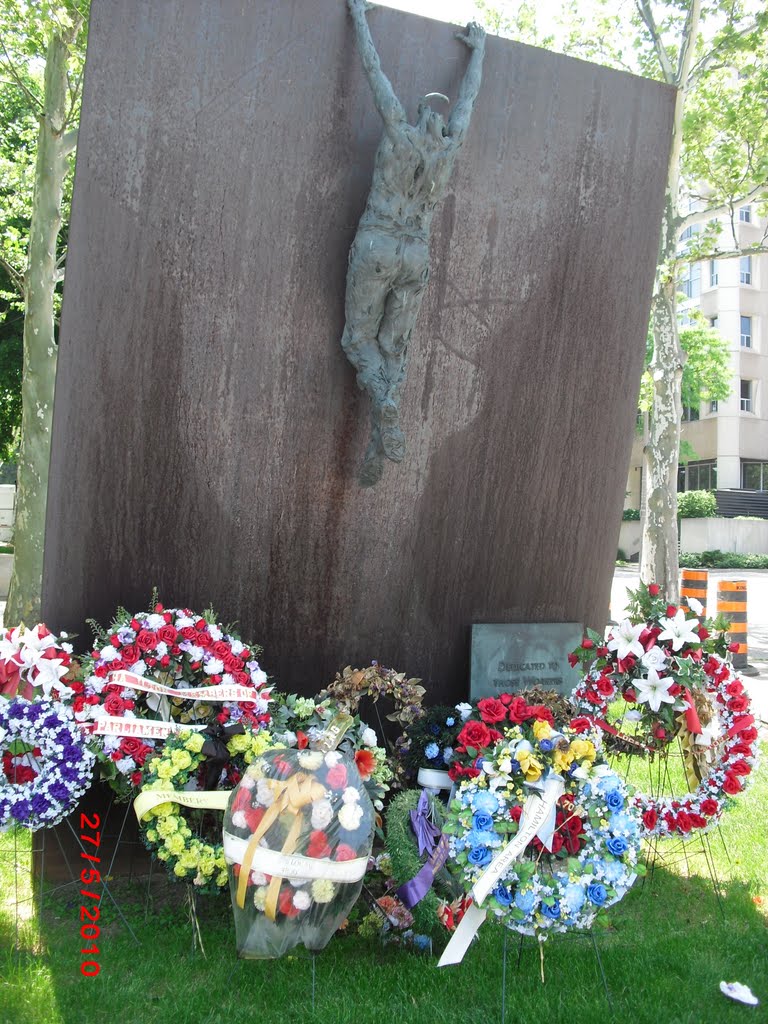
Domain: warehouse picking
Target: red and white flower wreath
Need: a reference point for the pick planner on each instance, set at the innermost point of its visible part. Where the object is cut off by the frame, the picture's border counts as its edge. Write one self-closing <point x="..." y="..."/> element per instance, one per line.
<point x="733" y="735"/>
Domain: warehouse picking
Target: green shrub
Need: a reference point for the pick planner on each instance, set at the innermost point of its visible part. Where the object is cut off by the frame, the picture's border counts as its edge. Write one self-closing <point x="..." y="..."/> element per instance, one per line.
<point x="621" y="555"/>
<point x="696" y="505"/>
<point x="630" y="515"/>
<point x="722" y="560"/>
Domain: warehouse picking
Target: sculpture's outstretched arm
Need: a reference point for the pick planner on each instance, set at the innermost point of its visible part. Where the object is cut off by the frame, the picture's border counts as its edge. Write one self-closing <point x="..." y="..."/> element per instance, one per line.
<point x="387" y="104"/>
<point x="458" y="122"/>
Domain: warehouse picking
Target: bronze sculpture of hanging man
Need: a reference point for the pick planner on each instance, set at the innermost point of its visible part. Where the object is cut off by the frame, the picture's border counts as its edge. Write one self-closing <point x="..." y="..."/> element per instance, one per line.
<point x="389" y="258"/>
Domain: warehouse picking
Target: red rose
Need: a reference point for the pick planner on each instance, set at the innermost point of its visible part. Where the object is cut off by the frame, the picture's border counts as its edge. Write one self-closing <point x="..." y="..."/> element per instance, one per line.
<point x="703" y="633"/>
<point x="136" y="778"/>
<point x="146" y="640"/>
<point x="475" y="734"/>
<point x="604" y="687"/>
<point x="660" y="732"/>
<point x="203" y="639"/>
<point x="130" y="654"/>
<point x="675" y="689"/>
<point x="302" y="740"/>
<point x="285" y="902"/>
<point x="344" y="852"/>
<point x="748" y="735"/>
<point x="587" y="644"/>
<point x="232" y="663"/>
<point x="650" y="818"/>
<point x="253" y="816"/>
<point x="671" y="611"/>
<point x="735" y="688"/>
<point x="78" y="703"/>
<point x="516" y="813"/>
<point x="167" y="634"/>
<point x="519" y="710"/>
<point x="241" y="801"/>
<point x="630" y="695"/>
<point x="221" y="649"/>
<point x="491" y="710"/>
<point x="580" y="724"/>
<point x="573" y="660"/>
<point x="741" y="767"/>
<point x="731" y="784"/>
<point x="114" y="705"/>
<point x="710" y="806"/>
<point x="738" y="704"/>
<point x="653" y="589"/>
<point x="189" y="633"/>
<point x="131" y="746"/>
<point x="733" y="646"/>
<point x="365" y="763"/>
<point x="684" y="822"/>
<point x="625" y="665"/>
<point x="337" y="776"/>
<point x="540" y="711"/>
<point x="572" y="844"/>
<point x="696" y="820"/>
<point x="506" y="698"/>
<point x="318" y="844"/>
<point x="741" y="750"/>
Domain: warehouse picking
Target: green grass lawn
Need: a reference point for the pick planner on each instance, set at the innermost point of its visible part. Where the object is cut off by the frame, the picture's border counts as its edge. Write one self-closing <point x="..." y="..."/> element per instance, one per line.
<point x="667" y="947"/>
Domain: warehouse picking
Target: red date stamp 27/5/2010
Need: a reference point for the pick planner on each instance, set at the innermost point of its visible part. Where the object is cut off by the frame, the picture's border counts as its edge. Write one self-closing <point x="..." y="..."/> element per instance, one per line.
<point x="90" y="877"/>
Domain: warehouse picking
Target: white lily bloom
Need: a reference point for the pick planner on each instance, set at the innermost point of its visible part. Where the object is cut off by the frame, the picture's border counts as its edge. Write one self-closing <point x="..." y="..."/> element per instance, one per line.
<point x="653" y="689"/>
<point x="695" y="605"/>
<point x="679" y="630"/>
<point x="624" y="640"/>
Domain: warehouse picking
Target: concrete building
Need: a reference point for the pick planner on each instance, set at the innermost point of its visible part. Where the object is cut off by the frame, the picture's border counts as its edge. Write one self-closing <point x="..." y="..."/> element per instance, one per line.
<point x="730" y="437"/>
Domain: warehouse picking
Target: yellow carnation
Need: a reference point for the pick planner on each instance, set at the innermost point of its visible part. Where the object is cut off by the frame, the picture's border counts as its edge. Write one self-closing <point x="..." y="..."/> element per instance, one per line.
<point x="194" y="743"/>
<point x="174" y="845"/>
<point x="323" y="890"/>
<point x="181" y="759"/>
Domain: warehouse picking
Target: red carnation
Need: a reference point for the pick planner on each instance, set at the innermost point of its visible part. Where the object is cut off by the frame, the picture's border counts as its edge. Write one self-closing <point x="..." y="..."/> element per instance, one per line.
<point x="365" y="763"/>
<point x="684" y="822"/>
<point x="344" y="852"/>
<point x="491" y="710"/>
<point x="318" y="844"/>
<point x="285" y="903"/>
<point x="697" y="820"/>
<point x="253" y="816"/>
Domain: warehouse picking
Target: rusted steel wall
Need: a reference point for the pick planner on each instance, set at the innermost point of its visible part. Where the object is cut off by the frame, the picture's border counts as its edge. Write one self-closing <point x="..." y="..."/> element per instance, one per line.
<point x="208" y="429"/>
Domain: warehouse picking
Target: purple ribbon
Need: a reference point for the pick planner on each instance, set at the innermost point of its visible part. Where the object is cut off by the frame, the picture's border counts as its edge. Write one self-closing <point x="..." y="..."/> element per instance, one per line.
<point x="427" y="834"/>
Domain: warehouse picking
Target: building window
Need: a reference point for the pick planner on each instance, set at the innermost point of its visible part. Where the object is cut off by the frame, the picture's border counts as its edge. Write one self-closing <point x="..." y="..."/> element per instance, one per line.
<point x="754" y="476"/>
<point x="691" y="281"/>
<point x="714" y="321"/>
<point x="746" y="332"/>
<point x="747" y="396"/>
<point x="697" y="476"/>
<point x="745" y="270"/>
<point x="713" y="405"/>
<point x="690" y="414"/>
<point x="712" y="273"/>
<point x="745" y="214"/>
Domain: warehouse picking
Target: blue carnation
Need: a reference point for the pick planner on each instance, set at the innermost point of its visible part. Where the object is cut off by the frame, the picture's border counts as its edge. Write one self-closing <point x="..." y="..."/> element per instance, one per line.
<point x="435" y="730"/>
<point x="486" y="802"/>
<point x="614" y="870"/>
<point x="483" y="822"/>
<point x="597" y="894"/>
<point x="622" y="822"/>
<point x="450" y="721"/>
<point x="431" y="751"/>
<point x="422" y="942"/>
<point x="553" y="911"/>
<point x="525" y="901"/>
<point x="545" y="745"/>
<point x="503" y="895"/>
<point x="614" y="800"/>
<point x="482" y="837"/>
<point x="574" y="896"/>
<point x="617" y="845"/>
<point x="447" y="754"/>
<point x="480" y="856"/>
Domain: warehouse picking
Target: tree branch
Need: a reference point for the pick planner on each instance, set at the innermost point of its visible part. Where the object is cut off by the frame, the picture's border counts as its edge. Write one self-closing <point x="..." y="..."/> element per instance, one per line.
<point x="690" y="32"/>
<point x="708" y="60"/>
<point x="645" y="12"/>
<point x="16" y="278"/>
<point x="68" y="142"/>
<point x="730" y="254"/>
<point x="711" y="212"/>
<point x="30" y="95"/>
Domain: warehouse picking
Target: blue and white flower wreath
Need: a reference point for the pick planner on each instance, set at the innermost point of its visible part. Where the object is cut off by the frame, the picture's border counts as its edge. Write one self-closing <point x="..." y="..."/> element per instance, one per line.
<point x="542" y="892"/>
<point x="51" y="768"/>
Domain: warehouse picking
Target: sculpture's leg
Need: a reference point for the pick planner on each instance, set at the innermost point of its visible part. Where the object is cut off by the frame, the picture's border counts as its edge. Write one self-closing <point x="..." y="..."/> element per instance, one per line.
<point x="400" y="313"/>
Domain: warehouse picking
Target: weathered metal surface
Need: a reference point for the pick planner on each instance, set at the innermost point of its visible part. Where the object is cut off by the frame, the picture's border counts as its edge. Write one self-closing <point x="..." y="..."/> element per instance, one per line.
<point x="207" y="425"/>
<point x="511" y="656"/>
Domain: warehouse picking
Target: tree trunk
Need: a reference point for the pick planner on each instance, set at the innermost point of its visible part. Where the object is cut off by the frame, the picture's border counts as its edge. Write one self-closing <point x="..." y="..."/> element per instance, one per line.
<point x="660" y="557"/>
<point x="39" y="377"/>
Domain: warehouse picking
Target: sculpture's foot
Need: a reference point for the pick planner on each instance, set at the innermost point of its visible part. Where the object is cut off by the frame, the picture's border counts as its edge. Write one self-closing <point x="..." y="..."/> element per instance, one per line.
<point x="392" y="437"/>
<point x="372" y="469"/>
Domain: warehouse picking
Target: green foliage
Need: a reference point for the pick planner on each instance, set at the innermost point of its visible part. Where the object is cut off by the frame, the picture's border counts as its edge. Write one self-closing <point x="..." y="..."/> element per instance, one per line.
<point x="630" y="515"/>
<point x="722" y="560"/>
<point x="706" y="372"/>
<point x="696" y="505"/>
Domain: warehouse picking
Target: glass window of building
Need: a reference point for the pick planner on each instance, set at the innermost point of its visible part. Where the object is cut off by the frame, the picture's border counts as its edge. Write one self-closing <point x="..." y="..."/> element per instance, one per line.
<point x="754" y="476"/>
<point x="712" y="273"/>
<point x="746" y="395"/>
<point x="746" y="332"/>
<point x="745" y="270"/>
<point x="745" y="214"/>
<point x="698" y="476"/>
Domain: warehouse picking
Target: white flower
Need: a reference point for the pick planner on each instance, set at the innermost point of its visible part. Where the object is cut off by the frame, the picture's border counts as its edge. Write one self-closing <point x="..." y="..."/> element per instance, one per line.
<point x="110" y="743"/>
<point x="654" y="658"/>
<point x="214" y="667"/>
<point x="350" y="795"/>
<point x="183" y="621"/>
<point x="695" y="605"/>
<point x="237" y="646"/>
<point x="257" y="877"/>
<point x="195" y="653"/>
<point x="310" y="759"/>
<point x="369" y="737"/>
<point x="465" y="710"/>
<point x="215" y="632"/>
<point x="125" y="765"/>
<point x="633" y="716"/>
<point x="109" y="653"/>
<point x="322" y="814"/>
<point x="139" y="667"/>
<point x="238" y="820"/>
<point x="258" y="677"/>
<point x="162" y="649"/>
<point x="301" y="900"/>
<point x="290" y="739"/>
<point x="350" y="816"/>
<point x="654" y="689"/>
<point x="332" y="758"/>
<point x="679" y="630"/>
<point x="264" y="793"/>
<point x="154" y="621"/>
<point x="624" y="639"/>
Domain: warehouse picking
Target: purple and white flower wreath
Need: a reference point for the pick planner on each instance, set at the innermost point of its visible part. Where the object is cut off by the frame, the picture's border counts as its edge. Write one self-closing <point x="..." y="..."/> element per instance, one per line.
<point x="39" y="788"/>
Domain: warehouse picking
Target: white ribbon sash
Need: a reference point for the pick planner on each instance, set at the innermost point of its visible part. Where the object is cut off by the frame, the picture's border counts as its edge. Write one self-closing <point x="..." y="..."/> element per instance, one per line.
<point x="208" y="693"/>
<point x="112" y="725"/>
<point x="273" y="862"/>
